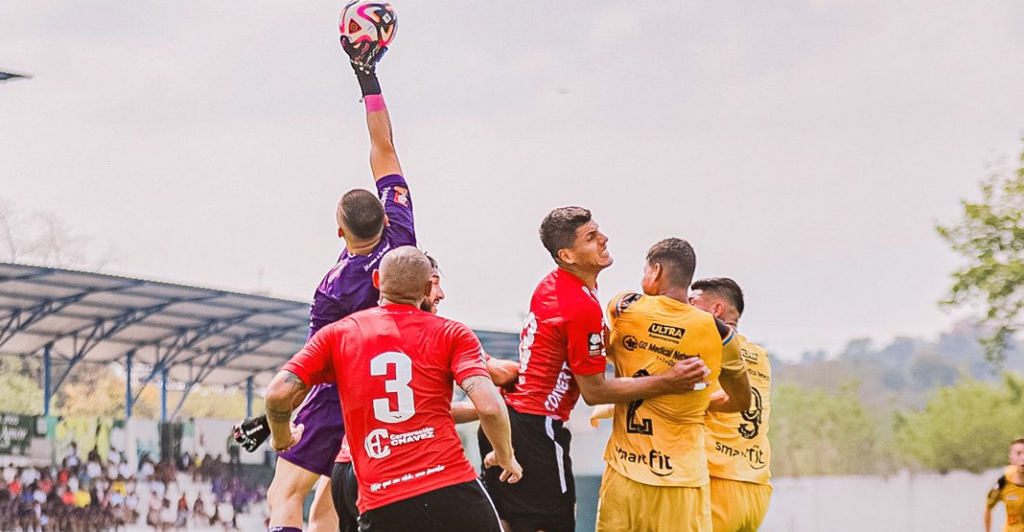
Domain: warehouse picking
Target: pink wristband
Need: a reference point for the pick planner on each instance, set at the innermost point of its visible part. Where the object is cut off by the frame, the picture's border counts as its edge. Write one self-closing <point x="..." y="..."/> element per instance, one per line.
<point x="374" y="103"/>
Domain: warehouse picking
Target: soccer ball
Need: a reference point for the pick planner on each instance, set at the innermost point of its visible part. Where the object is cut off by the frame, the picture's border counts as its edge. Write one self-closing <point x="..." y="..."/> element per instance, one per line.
<point x="370" y="22"/>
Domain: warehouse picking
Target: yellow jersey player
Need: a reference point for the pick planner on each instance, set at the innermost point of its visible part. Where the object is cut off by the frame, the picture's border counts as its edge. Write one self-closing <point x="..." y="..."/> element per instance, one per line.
<point x="738" y="451"/>
<point x="1009" y="490"/>
<point x="657" y="474"/>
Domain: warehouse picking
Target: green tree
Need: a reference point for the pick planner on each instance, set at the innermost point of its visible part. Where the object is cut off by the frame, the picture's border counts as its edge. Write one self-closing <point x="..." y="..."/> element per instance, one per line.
<point x="19" y="391"/>
<point x="967" y="426"/>
<point x="990" y="237"/>
<point x="814" y="432"/>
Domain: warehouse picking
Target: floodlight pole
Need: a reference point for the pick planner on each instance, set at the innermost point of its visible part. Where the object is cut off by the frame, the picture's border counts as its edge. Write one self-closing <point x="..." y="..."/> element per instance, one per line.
<point x="128" y="386"/>
<point x="163" y="395"/>
<point x="47" y="379"/>
<point x="248" y="397"/>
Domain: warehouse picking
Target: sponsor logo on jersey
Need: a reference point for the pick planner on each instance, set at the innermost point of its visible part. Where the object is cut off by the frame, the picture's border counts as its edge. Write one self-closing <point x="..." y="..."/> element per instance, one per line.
<point x="561" y="387"/>
<point x="378" y="443"/>
<point x="666" y="331"/>
<point x="402" y="196"/>
<point x="595" y="344"/>
<point x="630" y="342"/>
<point x="657" y="462"/>
<point x="754" y="455"/>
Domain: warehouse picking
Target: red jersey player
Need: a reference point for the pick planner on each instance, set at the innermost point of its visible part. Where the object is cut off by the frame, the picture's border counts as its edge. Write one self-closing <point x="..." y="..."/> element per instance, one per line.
<point x="394" y="366"/>
<point x="561" y="355"/>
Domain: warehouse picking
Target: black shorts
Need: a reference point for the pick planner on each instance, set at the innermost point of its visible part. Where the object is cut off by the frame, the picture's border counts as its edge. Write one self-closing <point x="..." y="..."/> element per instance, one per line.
<point x="463" y="507"/>
<point x="345" y="494"/>
<point x="545" y="498"/>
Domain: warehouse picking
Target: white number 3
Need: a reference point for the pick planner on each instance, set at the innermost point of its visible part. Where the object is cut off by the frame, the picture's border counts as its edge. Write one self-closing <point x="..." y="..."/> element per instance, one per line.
<point x="398" y="386"/>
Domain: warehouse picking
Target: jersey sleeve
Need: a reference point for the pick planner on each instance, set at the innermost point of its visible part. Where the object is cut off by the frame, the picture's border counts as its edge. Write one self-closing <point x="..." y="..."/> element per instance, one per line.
<point x="995" y="493"/>
<point x="732" y="359"/>
<point x="394" y="194"/>
<point x="619" y="304"/>
<point x="726" y="332"/>
<point x="467" y="354"/>
<point x="314" y="362"/>
<point x="584" y="337"/>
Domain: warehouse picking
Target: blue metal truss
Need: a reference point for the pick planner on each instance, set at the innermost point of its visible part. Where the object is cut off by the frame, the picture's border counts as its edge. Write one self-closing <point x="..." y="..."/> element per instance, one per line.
<point x="85" y="339"/>
<point x="20" y="319"/>
<point x="224" y="354"/>
<point x="183" y="341"/>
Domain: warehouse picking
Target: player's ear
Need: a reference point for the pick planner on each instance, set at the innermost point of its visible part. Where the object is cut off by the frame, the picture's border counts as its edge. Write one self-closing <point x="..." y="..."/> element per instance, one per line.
<point x="376" y="278"/>
<point x="387" y="222"/>
<point x="566" y="256"/>
<point x="341" y="232"/>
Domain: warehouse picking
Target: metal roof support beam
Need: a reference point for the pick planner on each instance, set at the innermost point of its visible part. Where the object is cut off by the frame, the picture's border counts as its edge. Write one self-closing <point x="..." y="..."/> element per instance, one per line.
<point x="47" y="380"/>
<point x="248" y="397"/>
<point x="219" y="358"/>
<point x="19" y="319"/>
<point x="163" y="396"/>
<point x="184" y="395"/>
<point x="181" y="342"/>
<point x="241" y="345"/>
<point x="102" y="330"/>
<point x="128" y="385"/>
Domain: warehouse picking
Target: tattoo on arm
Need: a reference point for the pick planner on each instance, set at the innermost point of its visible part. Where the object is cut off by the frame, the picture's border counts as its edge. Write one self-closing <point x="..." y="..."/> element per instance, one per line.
<point x="295" y="382"/>
<point x="295" y="386"/>
<point x="471" y="383"/>
<point x="279" y="416"/>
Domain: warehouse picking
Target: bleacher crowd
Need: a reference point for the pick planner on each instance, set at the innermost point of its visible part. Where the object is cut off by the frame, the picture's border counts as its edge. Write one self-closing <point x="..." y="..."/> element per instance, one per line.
<point x="106" y="495"/>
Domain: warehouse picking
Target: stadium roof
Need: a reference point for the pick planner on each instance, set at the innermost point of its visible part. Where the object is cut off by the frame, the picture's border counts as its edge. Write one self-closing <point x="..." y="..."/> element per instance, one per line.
<point x="198" y="335"/>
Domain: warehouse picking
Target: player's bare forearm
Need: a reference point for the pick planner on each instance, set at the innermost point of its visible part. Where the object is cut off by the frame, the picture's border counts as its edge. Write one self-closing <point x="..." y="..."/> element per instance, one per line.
<point x="736" y="389"/>
<point x="503" y="372"/>
<point x="492" y="412"/>
<point x="281" y="395"/>
<point x="988" y="519"/>
<point x="383" y="157"/>
<point x="464" y="412"/>
<point x="596" y="389"/>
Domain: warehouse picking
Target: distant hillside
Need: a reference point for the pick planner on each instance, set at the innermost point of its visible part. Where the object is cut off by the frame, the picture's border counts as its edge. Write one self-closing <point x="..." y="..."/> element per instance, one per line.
<point x="900" y="374"/>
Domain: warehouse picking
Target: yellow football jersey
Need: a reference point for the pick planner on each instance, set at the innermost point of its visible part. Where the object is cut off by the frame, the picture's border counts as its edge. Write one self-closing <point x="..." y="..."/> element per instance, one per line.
<point x="737" y="443"/>
<point x="1012" y="496"/>
<point x="660" y="441"/>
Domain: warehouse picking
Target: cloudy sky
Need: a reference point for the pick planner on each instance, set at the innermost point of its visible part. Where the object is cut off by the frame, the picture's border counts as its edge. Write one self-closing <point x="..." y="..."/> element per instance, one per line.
<point x="806" y="148"/>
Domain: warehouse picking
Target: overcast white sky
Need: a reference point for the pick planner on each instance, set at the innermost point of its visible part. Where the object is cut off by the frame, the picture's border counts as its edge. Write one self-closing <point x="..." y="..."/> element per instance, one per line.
<point x="805" y="148"/>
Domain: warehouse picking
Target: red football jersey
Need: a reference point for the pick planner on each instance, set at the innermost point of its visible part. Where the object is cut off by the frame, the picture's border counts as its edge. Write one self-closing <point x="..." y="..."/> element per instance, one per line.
<point x="395" y="366"/>
<point x="563" y="336"/>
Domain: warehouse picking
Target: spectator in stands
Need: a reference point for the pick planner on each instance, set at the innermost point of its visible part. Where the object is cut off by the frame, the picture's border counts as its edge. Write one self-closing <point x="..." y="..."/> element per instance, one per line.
<point x="71" y="459"/>
<point x="167" y="515"/>
<point x="199" y="510"/>
<point x="182" y="518"/>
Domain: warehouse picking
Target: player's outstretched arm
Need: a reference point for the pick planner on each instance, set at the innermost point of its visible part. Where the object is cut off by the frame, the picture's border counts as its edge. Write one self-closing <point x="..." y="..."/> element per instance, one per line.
<point x="494" y="422"/>
<point x="281" y="394"/>
<point x="682" y="377"/>
<point x="383" y="158"/>
<point x="364" y="57"/>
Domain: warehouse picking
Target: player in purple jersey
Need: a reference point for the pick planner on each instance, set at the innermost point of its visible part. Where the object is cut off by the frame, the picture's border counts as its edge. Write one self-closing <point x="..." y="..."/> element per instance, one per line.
<point x="371" y="225"/>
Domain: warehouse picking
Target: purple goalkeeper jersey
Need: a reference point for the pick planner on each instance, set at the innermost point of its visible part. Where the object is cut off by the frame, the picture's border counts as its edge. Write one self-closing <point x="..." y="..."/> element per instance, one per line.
<point x="348" y="286"/>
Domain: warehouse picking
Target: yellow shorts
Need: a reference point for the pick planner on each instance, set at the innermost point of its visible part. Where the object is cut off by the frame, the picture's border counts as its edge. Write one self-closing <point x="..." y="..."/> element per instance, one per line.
<point x="738" y="506"/>
<point x="628" y="506"/>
